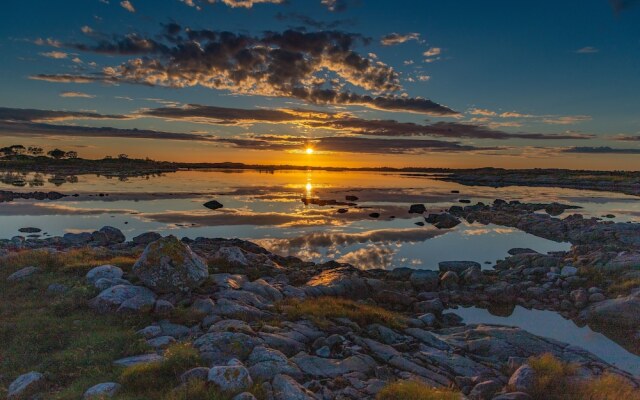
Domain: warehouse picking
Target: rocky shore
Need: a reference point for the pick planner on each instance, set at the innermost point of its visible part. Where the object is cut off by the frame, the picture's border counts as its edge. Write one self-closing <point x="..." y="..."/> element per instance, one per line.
<point x="252" y="327"/>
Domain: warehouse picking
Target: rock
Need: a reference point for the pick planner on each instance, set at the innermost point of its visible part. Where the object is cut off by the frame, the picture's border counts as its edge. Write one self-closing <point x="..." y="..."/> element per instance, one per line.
<point x="622" y="312"/>
<point x="458" y="267"/>
<point x="169" y="265"/>
<point x="286" y="388"/>
<point x="22" y="274"/>
<point x="266" y="363"/>
<point x="624" y="260"/>
<point x="110" y="272"/>
<point x="374" y="215"/>
<point x="485" y="390"/>
<point x="434" y="306"/>
<point x="580" y="297"/>
<point x="423" y="279"/>
<point x="174" y="330"/>
<point x="264" y="289"/>
<point x="417" y="209"/>
<point x="220" y="347"/>
<point x="161" y="342"/>
<point x="113" y="298"/>
<point x="102" y="391"/>
<point x="342" y="210"/>
<point x="472" y="276"/>
<point x="230" y="378"/>
<point x="26" y="385"/>
<point x="428" y="319"/>
<point x="330" y="368"/>
<point x="443" y="220"/>
<point x="232" y="255"/>
<point x="203" y="306"/>
<point x="351" y="198"/>
<point x="104" y="283"/>
<point x="449" y="280"/>
<point x="244" y="396"/>
<point x="228" y="281"/>
<point x="568" y="270"/>
<point x="108" y="235"/>
<point x="150" y="331"/>
<point x="146" y="238"/>
<point x="56" y="288"/>
<point x="519" y="250"/>
<point x="523" y="379"/>
<point x="137" y="360"/>
<point x="213" y="205"/>
<point x="29" y="230"/>
<point x="197" y="374"/>
<point x="163" y="307"/>
<point x="513" y="396"/>
<point x="596" y="297"/>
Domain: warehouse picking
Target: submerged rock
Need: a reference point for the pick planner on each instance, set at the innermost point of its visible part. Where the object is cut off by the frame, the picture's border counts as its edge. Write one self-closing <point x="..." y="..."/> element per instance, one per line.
<point x="169" y="265"/>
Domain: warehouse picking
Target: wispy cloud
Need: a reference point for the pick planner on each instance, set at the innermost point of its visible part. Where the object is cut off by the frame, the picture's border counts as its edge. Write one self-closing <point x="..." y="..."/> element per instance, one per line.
<point x="601" y="150"/>
<point x="126" y="4"/>
<point x="587" y="50"/>
<point x="398" y="38"/>
<point x="77" y="94"/>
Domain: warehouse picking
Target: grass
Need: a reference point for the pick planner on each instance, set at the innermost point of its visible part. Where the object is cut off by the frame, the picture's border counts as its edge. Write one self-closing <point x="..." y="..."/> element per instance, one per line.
<point x="153" y="379"/>
<point x="320" y="310"/>
<point x="195" y="390"/>
<point x="615" y="281"/>
<point x="415" y="390"/>
<point x="58" y="334"/>
<point x="557" y="380"/>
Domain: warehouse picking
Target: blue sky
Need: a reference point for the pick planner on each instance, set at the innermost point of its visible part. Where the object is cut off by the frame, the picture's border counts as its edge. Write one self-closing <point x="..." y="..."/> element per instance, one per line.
<point x="544" y="67"/>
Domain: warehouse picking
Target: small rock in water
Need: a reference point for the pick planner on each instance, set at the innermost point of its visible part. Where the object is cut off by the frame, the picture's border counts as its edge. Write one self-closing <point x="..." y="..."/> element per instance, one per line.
<point x="374" y="215"/>
<point x="213" y="205"/>
<point x="351" y="198"/>
<point x="417" y="209"/>
<point x="30" y="230"/>
<point x="342" y="210"/>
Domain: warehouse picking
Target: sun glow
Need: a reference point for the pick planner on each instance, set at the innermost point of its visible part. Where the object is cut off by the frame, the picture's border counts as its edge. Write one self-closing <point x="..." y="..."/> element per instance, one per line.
<point x="309" y="187"/>
<point x="309" y="150"/>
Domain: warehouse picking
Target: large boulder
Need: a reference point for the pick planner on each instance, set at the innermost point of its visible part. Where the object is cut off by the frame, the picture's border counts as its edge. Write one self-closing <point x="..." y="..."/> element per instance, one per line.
<point x="233" y="378"/>
<point x="623" y="312"/>
<point x="286" y="388"/>
<point x="124" y="298"/>
<point x="523" y="379"/>
<point x="169" y="265"/>
<point x="108" y="235"/>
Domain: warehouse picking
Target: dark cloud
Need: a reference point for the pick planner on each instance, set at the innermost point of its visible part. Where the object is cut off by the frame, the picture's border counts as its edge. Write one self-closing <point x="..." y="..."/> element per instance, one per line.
<point x="314" y="23"/>
<point x="397" y="38"/>
<point x="317" y="67"/>
<point x="342" y="122"/>
<point x="628" y="138"/>
<point x="349" y="144"/>
<point x="31" y="115"/>
<point x="41" y="129"/>
<point x="600" y="150"/>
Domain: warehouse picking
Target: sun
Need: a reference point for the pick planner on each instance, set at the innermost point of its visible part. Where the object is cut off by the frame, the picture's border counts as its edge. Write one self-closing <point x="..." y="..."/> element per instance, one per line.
<point x="309" y="150"/>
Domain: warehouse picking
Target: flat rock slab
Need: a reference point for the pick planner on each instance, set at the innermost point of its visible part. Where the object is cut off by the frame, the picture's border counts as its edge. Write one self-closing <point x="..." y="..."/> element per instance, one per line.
<point x="137" y="360"/>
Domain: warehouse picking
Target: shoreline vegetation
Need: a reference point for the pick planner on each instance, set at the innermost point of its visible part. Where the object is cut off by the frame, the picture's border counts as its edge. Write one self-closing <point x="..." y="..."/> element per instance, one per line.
<point x="626" y="182"/>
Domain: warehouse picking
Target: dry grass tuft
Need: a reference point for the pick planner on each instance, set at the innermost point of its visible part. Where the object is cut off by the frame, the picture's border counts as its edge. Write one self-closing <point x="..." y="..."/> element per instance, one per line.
<point x="321" y="309"/>
<point x="414" y="390"/>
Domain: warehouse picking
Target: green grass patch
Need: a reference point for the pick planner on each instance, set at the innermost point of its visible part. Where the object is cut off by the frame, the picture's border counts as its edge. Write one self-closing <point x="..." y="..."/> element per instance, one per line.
<point x="153" y="379"/>
<point x="59" y="335"/>
<point x="320" y="310"/>
<point x="415" y="390"/>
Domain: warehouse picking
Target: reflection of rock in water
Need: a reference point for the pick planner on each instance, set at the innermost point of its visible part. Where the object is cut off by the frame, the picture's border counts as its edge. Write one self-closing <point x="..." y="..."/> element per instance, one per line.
<point x="501" y="310"/>
<point x="628" y="339"/>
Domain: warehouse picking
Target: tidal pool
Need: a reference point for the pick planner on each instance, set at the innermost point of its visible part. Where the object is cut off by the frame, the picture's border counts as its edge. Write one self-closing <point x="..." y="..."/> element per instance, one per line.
<point x="552" y="325"/>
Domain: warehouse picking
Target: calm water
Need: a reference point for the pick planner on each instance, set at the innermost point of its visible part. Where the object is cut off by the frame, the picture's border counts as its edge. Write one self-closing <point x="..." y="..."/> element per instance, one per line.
<point x="267" y="208"/>
<point x="551" y="325"/>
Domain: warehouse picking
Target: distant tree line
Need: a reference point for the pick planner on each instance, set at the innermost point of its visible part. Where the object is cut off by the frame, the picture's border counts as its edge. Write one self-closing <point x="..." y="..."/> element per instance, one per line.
<point x="20" y="150"/>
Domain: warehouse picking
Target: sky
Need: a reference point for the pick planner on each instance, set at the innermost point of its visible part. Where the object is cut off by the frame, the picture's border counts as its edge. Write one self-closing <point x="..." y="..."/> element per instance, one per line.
<point x="515" y="84"/>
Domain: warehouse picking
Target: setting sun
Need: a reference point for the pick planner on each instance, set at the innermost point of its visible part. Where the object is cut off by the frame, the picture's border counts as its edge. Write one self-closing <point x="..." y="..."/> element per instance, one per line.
<point x="309" y="150"/>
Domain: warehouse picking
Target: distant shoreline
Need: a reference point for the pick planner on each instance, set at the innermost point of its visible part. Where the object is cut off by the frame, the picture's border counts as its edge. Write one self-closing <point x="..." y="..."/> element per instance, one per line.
<point x="627" y="182"/>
